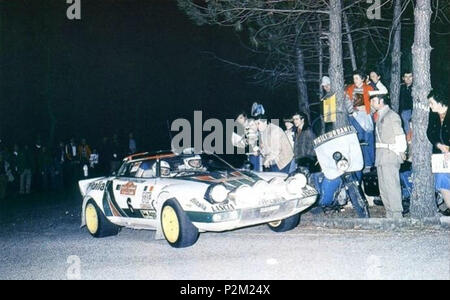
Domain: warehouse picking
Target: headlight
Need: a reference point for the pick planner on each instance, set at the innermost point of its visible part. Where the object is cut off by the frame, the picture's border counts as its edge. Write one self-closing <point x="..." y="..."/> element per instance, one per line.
<point x="244" y="195"/>
<point x="295" y="184"/>
<point x="302" y="181"/>
<point x="277" y="185"/>
<point x="343" y="165"/>
<point x="262" y="188"/>
<point x="218" y="193"/>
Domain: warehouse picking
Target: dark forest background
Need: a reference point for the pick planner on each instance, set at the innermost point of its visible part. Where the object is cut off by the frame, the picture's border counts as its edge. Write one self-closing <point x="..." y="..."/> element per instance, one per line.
<point x="133" y="66"/>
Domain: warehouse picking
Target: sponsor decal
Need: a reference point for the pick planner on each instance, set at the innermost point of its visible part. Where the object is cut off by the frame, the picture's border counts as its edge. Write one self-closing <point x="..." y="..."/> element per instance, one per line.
<point x="198" y="203"/>
<point x="147" y="198"/>
<point x="308" y="193"/>
<point x="97" y="186"/>
<point x="128" y="189"/>
<point x="269" y="202"/>
<point x="148" y="214"/>
<point x="268" y="211"/>
<point x="222" y="207"/>
<point x="333" y="134"/>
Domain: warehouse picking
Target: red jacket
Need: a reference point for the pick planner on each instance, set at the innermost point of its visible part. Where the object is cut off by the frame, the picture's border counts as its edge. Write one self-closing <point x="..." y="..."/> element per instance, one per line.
<point x="366" y="96"/>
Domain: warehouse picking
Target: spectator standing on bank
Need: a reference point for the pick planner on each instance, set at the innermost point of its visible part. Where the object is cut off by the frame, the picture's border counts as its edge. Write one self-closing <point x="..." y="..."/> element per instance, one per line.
<point x="390" y="148"/>
<point x="375" y="82"/>
<point x="406" y="100"/>
<point x="44" y="168"/>
<point x="26" y="170"/>
<point x="438" y="133"/>
<point x="303" y="140"/>
<point x="73" y="161"/>
<point x="275" y="147"/>
<point x="132" y="148"/>
<point x="5" y="176"/>
<point x="104" y="156"/>
<point x="116" y="154"/>
<point x="84" y="152"/>
<point x="358" y="106"/>
<point x="329" y="105"/>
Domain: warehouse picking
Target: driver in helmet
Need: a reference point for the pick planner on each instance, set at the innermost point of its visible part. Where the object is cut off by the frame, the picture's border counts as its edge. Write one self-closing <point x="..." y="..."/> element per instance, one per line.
<point x="165" y="168"/>
<point x="193" y="163"/>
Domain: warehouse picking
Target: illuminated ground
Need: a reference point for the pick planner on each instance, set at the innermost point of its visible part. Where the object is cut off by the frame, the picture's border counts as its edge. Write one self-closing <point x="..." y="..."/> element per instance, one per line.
<point x="41" y="239"/>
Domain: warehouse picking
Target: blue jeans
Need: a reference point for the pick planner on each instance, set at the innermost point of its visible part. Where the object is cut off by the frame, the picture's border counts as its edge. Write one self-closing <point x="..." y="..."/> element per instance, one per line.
<point x="406" y="180"/>
<point x="368" y="137"/>
<point x="255" y="160"/>
<point x="292" y="166"/>
<point x="326" y="187"/>
<point x="406" y="117"/>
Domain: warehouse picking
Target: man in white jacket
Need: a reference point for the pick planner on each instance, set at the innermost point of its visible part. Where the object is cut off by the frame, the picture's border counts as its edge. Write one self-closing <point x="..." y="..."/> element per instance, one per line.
<point x="275" y="147"/>
<point x="390" y="147"/>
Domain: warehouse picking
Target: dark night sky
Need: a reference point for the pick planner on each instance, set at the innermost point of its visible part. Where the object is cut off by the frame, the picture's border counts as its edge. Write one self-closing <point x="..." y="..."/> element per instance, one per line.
<point x="126" y="65"/>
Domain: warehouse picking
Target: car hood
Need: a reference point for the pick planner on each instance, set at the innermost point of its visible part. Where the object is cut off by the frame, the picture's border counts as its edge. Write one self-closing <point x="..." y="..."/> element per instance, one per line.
<point x="229" y="179"/>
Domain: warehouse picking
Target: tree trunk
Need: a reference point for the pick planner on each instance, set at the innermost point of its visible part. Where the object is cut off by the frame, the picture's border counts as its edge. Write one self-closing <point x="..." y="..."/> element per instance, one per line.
<point x="351" y="49"/>
<point x="303" y="103"/>
<point x="320" y="60"/>
<point x="336" y="69"/>
<point x="422" y="200"/>
<point x="396" y="56"/>
<point x="363" y="44"/>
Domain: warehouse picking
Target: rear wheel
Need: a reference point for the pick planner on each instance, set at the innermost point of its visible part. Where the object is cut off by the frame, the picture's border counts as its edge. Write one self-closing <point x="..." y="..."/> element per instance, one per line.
<point x="96" y="222"/>
<point x="285" y="224"/>
<point x="176" y="226"/>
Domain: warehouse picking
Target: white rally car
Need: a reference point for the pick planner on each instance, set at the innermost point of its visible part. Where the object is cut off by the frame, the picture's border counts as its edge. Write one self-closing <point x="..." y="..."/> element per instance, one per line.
<point x="180" y="195"/>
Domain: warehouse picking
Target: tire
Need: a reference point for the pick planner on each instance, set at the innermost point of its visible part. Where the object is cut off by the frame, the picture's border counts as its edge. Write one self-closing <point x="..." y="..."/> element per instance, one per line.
<point x="359" y="202"/>
<point x="286" y="224"/>
<point x="96" y="222"/>
<point x="178" y="230"/>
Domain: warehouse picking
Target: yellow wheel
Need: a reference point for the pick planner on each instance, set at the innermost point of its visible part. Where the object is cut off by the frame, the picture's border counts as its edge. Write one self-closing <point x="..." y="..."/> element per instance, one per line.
<point x="285" y="224"/>
<point x="176" y="226"/>
<point x="91" y="219"/>
<point x="96" y="222"/>
<point x="275" y="223"/>
<point x="170" y="224"/>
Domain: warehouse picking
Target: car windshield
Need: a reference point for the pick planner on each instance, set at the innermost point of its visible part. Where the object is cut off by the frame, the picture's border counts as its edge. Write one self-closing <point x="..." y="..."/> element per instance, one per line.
<point x="176" y="166"/>
<point x="184" y="164"/>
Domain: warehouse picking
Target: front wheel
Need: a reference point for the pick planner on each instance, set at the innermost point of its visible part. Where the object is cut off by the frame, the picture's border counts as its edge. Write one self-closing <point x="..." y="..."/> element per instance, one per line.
<point x="96" y="222"/>
<point x="286" y="224"/>
<point x="176" y="226"/>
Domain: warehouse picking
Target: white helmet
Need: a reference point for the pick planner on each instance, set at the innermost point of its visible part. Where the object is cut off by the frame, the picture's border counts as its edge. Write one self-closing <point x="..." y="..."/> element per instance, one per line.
<point x="165" y="168"/>
<point x="193" y="162"/>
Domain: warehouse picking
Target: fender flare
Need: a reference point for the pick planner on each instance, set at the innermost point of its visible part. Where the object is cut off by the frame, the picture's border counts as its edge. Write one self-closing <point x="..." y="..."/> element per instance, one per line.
<point x="160" y="200"/>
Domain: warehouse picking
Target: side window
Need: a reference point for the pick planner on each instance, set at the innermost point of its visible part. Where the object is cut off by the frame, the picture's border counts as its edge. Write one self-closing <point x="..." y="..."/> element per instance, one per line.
<point x="123" y="170"/>
<point x="146" y="169"/>
<point x="129" y="169"/>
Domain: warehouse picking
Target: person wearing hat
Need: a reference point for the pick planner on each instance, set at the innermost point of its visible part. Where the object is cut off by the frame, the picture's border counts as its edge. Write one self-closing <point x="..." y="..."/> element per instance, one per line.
<point x="328" y="104"/>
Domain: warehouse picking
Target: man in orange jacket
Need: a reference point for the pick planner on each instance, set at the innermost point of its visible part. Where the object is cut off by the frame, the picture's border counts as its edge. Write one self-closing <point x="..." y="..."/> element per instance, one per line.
<point x="358" y="106"/>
